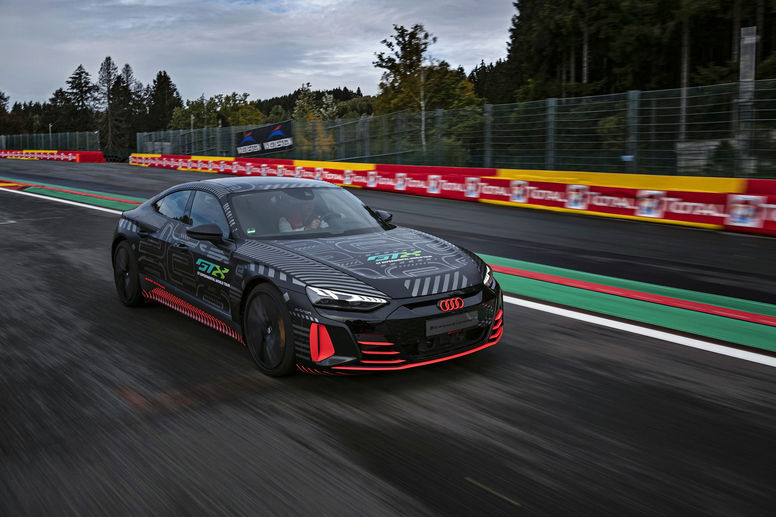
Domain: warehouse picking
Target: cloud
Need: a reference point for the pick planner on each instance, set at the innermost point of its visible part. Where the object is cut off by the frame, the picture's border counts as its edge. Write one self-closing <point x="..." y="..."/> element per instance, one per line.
<point x="265" y="48"/>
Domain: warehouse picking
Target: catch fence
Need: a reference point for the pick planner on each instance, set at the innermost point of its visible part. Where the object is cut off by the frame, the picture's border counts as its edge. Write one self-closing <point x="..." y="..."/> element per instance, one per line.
<point x="721" y="130"/>
<point x="72" y="141"/>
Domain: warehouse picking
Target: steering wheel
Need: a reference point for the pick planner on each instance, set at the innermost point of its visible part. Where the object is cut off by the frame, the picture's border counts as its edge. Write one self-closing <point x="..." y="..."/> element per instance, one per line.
<point x="331" y="216"/>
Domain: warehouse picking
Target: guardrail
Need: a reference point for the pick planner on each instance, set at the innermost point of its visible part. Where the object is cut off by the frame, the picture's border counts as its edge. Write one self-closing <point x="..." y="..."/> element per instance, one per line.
<point x="734" y="204"/>
<point x="69" y="156"/>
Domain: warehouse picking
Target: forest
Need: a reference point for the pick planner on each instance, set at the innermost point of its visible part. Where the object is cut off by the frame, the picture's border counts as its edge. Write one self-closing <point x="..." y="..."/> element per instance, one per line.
<point x="554" y="48"/>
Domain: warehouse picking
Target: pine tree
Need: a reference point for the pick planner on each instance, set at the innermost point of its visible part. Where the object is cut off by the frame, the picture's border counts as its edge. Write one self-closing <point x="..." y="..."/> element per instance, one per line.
<point x="9" y="123"/>
<point x="121" y="115"/>
<point x="105" y="80"/>
<point x="60" y="112"/>
<point x="138" y="110"/>
<point x="163" y="98"/>
<point x="82" y="94"/>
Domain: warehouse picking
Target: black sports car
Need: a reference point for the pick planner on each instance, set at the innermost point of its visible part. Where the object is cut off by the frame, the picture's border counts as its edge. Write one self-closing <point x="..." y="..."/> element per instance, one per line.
<point x="306" y="276"/>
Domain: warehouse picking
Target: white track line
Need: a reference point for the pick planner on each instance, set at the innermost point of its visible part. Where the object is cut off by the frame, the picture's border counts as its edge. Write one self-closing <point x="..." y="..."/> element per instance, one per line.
<point x="65" y="201"/>
<point x="644" y="331"/>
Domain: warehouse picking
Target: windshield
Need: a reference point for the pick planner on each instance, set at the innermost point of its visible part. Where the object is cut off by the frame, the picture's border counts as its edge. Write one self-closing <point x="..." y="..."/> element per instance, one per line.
<point x="302" y="213"/>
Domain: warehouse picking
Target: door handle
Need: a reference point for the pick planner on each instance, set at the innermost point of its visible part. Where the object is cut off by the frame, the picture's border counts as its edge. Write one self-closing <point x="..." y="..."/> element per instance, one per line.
<point x="143" y="233"/>
<point x="181" y="245"/>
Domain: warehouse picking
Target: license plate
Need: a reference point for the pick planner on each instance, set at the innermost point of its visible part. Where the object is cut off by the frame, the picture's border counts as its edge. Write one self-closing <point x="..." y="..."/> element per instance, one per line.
<point x="451" y="323"/>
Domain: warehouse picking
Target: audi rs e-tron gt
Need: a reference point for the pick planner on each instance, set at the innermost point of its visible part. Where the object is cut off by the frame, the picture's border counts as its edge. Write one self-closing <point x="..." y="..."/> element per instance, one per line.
<point x="306" y="276"/>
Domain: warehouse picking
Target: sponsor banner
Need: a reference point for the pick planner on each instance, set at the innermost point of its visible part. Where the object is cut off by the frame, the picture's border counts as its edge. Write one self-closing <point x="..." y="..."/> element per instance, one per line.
<point x="650" y="203"/>
<point x="400" y="181"/>
<point x="267" y="139"/>
<point x="71" y="156"/>
<point x="751" y="213"/>
<point x="472" y="187"/>
<point x="708" y="208"/>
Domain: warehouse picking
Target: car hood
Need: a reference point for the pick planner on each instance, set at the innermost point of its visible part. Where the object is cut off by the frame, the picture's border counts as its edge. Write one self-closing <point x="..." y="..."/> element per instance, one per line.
<point x="400" y="262"/>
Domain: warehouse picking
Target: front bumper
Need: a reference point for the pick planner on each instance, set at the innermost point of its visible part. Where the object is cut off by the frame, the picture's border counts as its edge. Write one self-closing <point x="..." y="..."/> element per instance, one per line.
<point x="397" y="337"/>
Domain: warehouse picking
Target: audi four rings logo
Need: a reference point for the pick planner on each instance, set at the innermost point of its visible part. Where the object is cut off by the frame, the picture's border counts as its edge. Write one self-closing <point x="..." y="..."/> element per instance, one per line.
<point x="450" y="304"/>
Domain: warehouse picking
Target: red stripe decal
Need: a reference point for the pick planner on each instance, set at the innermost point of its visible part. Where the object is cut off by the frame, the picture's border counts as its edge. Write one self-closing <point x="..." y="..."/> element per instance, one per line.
<point x="638" y="295"/>
<point x="165" y="298"/>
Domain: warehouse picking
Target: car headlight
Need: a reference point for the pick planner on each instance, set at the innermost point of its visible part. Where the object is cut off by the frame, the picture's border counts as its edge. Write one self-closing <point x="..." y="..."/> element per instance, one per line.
<point x="328" y="299"/>
<point x="488" y="278"/>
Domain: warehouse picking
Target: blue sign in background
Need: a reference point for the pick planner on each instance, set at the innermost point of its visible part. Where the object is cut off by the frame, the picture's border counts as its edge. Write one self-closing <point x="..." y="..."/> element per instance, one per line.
<point x="271" y="138"/>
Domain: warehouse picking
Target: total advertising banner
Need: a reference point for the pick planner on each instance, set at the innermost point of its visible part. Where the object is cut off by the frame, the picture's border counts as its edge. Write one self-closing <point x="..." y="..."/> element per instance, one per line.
<point x="703" y="208"/>
<point x="746" y="212"/>
<point x="751" y="213"/>
<point x="263" y="140"/>
<point x="68" y="156"/>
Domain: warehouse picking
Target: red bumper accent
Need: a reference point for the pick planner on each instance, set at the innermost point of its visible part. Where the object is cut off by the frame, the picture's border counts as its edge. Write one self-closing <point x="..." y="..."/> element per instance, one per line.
<point x="423" y="363"/>
<point x="321" y="346"/>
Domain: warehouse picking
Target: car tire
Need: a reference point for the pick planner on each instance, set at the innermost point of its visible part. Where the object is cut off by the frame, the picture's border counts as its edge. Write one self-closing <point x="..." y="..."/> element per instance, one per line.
<point x="125" y="275"/>
<point x="267" y="331"/>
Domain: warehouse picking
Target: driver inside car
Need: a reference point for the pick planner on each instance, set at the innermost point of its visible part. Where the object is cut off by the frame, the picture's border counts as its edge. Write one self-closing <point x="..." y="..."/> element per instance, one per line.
<point x="304" y="217"/>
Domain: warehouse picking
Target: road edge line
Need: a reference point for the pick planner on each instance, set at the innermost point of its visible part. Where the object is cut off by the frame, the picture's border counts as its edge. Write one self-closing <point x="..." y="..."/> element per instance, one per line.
<point x="648" y="332"/>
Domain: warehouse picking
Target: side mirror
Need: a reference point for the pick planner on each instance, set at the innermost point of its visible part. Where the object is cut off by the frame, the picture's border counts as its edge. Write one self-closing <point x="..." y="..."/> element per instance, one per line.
<point x="210" y="232"/>
<point x="384" y="215"/>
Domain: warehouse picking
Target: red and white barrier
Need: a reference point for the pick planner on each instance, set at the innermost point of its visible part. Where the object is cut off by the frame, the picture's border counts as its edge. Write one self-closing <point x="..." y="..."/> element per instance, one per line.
<point x="748" y="206"/>
<point x="66" y="156"/>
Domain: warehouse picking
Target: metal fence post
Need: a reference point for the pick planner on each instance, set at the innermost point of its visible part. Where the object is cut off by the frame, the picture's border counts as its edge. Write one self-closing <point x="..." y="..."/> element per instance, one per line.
<point x="633" y="130"/>
<point x="365" y="134"/>
<point x="341" y="151"/>
<point x="488" y="158"/>
<point x="438" y="137"/>
<point x="313" y="125"/>
<point x="399" y="129"/>
<point x="746" y="97"/>
<point x="549" y="141"/>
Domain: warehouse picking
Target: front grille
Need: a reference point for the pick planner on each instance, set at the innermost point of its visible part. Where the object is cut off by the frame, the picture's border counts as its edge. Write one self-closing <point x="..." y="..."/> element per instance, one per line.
<point x="398" y="341"/>
<point x="398" y="344"/>
<point x="445" y="344"/>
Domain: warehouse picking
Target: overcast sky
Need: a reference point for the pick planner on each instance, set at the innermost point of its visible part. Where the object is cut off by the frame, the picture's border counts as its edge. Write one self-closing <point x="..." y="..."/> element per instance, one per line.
<point x="265" y="48"/>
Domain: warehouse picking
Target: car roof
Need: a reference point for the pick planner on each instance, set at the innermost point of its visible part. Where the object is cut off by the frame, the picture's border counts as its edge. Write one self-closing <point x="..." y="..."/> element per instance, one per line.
<point x="235" y="184"/>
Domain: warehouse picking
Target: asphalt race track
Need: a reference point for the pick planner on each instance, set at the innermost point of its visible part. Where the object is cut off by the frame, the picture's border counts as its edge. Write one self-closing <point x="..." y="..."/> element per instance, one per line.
<point x="108" y="410"/>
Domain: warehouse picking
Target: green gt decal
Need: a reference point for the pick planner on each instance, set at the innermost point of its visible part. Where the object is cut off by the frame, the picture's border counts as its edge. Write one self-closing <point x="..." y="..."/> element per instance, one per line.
<point x="212" y="269"/>
<point x="393" y="256"/>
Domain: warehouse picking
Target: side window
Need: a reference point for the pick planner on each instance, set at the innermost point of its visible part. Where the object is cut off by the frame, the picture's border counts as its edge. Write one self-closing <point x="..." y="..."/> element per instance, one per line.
<point x="207" y="209"/>
<point x="174" y="206"/>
